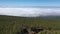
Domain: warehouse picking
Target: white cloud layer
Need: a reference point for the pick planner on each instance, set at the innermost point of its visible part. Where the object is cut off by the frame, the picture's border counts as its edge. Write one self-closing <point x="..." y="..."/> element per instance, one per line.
<point x="29" y="12"/>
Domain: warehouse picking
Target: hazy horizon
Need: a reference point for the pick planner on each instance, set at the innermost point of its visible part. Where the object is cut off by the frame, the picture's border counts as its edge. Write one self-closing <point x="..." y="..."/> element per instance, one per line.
<point x="30" y="12"/>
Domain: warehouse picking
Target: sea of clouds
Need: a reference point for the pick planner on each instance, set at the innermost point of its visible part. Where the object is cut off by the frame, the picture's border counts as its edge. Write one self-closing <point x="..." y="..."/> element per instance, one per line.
<point x="29" y="12"/>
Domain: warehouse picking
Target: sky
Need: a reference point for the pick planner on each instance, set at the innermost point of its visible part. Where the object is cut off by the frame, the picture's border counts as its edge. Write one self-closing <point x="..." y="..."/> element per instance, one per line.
<point x="31" y="3"/>
<point x="30" y="8"/>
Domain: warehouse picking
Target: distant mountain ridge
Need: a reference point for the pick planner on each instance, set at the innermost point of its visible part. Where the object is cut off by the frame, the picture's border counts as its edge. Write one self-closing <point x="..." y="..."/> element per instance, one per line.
<point x="51" y="16"/>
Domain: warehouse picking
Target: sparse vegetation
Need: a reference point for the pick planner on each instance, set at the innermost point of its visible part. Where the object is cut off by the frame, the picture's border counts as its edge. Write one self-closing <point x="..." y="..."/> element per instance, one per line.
<point x="11" y="25"/>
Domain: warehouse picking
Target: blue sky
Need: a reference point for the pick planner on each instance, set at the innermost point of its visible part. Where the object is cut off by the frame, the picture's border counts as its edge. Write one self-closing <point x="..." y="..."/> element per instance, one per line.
<point x="41" y="7"/>
<point x="27" y="3"/>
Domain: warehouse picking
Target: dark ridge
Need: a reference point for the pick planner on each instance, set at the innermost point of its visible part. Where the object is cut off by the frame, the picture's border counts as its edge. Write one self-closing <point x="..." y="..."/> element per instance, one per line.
<point x="30" y="17"/>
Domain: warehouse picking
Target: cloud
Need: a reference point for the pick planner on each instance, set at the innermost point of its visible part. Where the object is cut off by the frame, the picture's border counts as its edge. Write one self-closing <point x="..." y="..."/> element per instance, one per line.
<point x="29" y="12"/>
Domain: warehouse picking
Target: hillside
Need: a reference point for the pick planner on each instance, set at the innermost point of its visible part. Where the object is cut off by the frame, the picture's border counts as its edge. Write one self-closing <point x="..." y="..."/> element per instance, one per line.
<point x="10" y="24"/>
